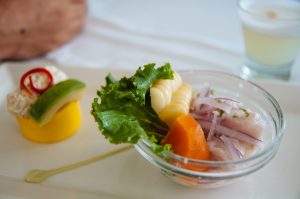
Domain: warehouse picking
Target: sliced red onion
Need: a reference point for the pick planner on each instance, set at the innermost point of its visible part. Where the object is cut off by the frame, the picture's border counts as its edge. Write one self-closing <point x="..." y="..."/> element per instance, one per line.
<point x="218" y="149"/>
<point x="205" y="117"/>
<point x="207" y="91"/>
<point x="233" y="151"/>
<point x="253" y="124"/>
<point x="214" y="103"/>
<point x="196" y="116"/>
<point x="204" y="92"/>
<point x="206" y="109"/>
<point x="240" y="146"/>
<point x="212" y="126"/>
<point x="222" y="130"/>
<point x="228" y="99"/>
<point x="231" y="102"/>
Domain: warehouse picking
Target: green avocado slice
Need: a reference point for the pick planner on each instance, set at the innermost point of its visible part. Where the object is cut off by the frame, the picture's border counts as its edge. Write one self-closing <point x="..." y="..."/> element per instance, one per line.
<point x="55" y="98"/>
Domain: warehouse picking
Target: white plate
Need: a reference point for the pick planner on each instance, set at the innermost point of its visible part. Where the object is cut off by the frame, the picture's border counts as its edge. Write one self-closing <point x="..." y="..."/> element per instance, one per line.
<point x="128" y="175"/>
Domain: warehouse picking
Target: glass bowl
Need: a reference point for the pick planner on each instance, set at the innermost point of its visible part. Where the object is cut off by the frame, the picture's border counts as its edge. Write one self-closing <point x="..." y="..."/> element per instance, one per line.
<point x="184" y="170"/>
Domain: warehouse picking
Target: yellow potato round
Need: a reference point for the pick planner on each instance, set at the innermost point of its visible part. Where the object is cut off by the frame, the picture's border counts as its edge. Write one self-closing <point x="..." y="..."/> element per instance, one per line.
<point x="63" y="124"/>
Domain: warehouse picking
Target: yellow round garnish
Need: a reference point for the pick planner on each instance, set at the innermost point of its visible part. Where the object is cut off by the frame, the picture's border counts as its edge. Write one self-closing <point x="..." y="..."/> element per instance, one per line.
<point x="64" y="123"/>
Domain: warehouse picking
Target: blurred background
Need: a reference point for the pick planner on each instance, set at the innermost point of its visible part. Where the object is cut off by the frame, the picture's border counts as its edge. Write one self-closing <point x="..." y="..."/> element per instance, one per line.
<point x="129" y="33"/>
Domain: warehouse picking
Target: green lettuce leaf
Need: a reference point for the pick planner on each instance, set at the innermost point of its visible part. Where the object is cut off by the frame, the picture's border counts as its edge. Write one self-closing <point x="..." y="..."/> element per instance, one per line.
<point x="123" y="110"/>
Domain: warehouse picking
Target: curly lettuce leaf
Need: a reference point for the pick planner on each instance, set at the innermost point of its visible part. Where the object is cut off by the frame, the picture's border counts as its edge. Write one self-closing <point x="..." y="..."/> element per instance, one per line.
<point x="123" y="110"/>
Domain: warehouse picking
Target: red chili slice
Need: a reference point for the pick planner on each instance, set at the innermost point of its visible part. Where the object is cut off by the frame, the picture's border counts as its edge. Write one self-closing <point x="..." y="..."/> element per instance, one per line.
<point x="31" y="85"/>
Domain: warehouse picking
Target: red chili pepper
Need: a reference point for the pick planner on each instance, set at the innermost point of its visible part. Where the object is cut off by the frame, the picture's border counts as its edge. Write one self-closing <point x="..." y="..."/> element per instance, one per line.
<point x="31" y="85"/>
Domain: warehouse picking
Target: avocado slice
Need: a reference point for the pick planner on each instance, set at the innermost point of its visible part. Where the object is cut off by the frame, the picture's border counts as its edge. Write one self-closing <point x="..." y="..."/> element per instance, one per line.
<point x="55" y="98"/>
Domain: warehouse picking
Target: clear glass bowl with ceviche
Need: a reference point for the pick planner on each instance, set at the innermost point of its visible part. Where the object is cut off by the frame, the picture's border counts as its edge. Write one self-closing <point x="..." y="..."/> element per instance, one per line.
<point x="201" y="128"/>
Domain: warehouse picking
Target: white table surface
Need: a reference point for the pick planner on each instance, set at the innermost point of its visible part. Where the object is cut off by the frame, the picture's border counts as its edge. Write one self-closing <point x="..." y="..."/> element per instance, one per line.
<point x="129" y="175"/>
<point x="129" y="33"/>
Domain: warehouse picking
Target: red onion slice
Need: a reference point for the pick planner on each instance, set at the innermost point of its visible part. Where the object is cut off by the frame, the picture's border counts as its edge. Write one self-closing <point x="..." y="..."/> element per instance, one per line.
<point x="212" y="126"/>
<point x="226" y="99"/>
<point x="214" y="103"/>
<point x="206" y="109"/>
<point x="231" y="102"/>
<point x="233" y="151"/>
<point x="207" y="91"/>
<point x="204" y="92"/>
<point x="222" y="130"/>
<point x="196" y="116"/>
<point x="218" y="149"/>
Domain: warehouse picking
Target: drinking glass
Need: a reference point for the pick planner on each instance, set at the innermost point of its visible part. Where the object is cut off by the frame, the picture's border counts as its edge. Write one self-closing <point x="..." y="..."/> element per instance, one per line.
<point x="272" y="37"/>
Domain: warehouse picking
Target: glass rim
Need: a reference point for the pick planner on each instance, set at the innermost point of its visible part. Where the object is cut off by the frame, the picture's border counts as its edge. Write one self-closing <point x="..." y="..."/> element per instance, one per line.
<point x="226" y="174"/>
<point x="269" y="148"/>
<point x="246" y="11"/>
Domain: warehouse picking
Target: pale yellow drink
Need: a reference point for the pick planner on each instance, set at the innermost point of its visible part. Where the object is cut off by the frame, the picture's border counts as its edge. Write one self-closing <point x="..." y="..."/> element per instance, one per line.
<point x="272" y="35"/>
<point x="271" y="50"/>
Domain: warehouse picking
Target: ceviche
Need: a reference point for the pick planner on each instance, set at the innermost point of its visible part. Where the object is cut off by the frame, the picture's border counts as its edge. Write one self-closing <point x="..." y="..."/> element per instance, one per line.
<point x="156" y="105"/>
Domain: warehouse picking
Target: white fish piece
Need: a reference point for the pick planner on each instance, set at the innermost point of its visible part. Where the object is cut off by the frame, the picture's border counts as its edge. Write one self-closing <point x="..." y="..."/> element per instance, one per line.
<point x="243" y="147"/>
<point x="218" y="149"/>
<point x="227" y="131"/>
<point x="213" y="103"/>
<point x="251" y="124"/>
